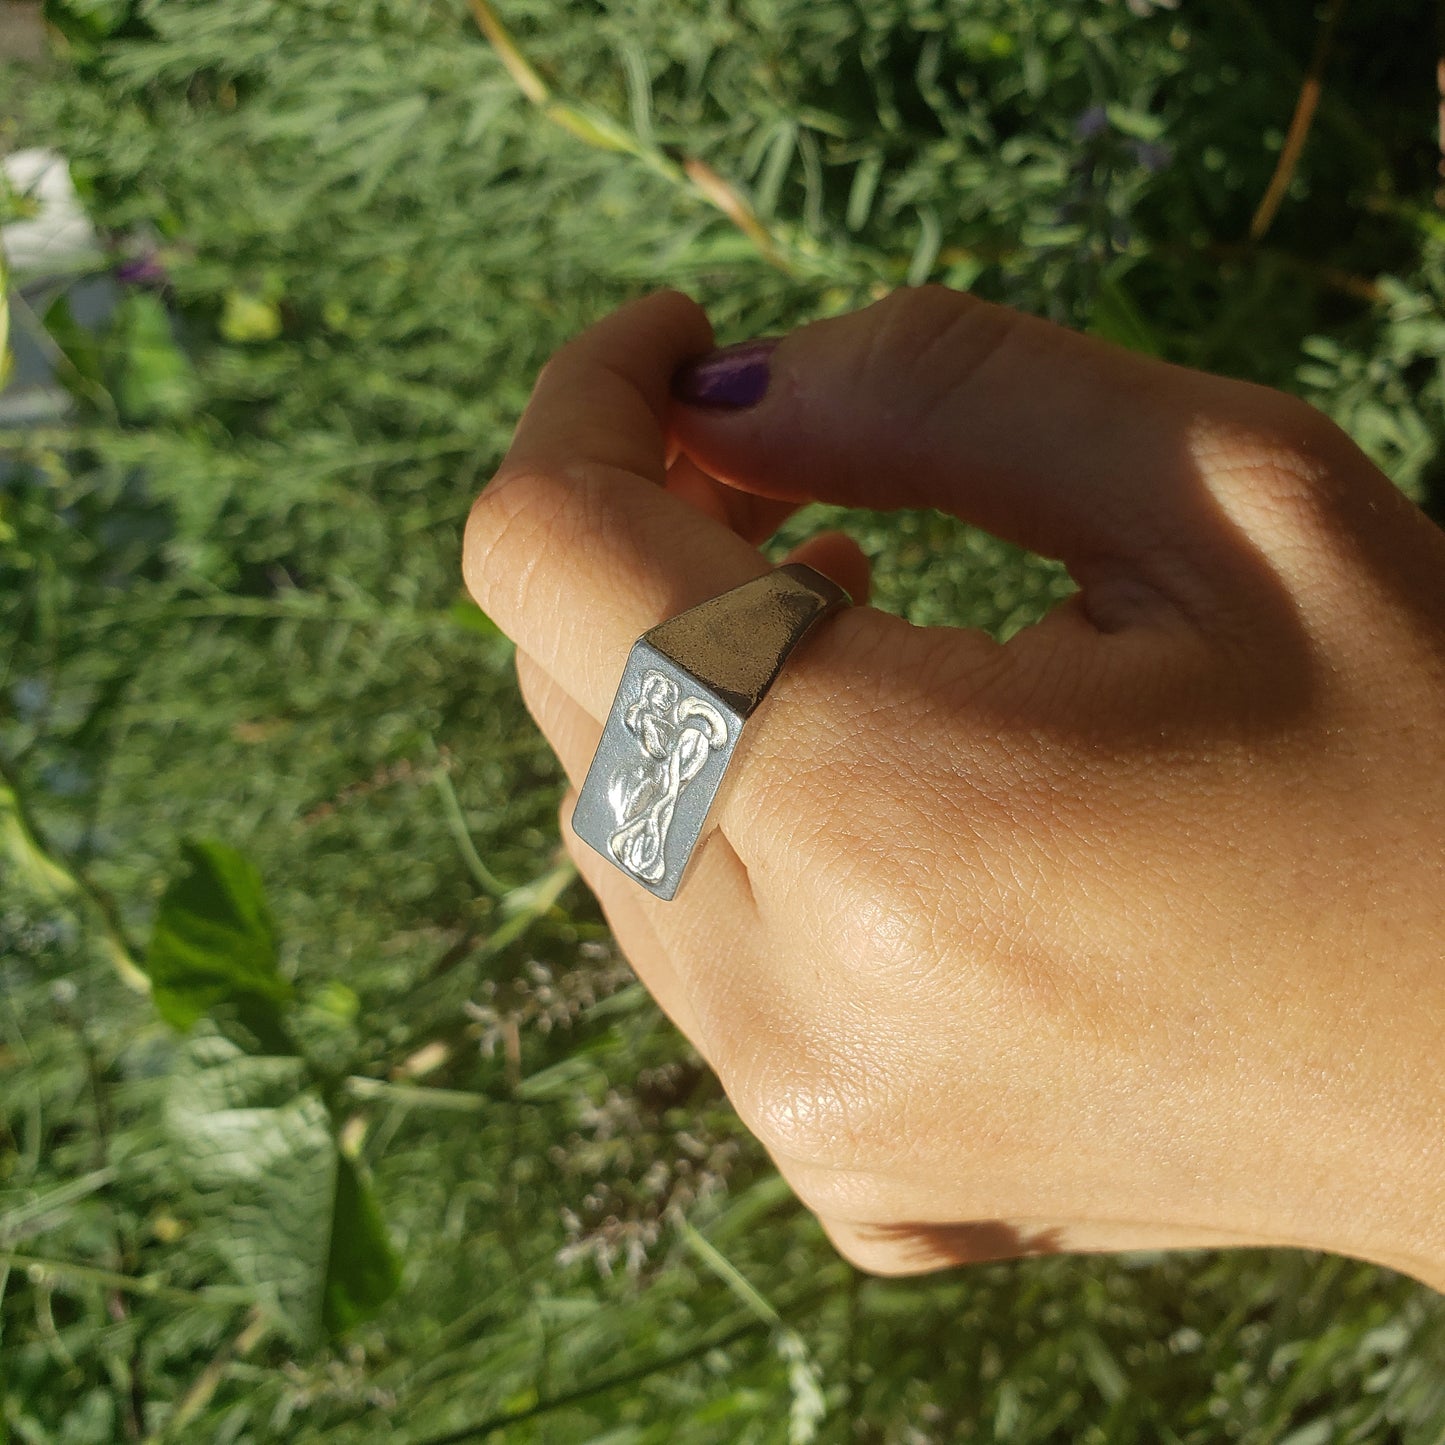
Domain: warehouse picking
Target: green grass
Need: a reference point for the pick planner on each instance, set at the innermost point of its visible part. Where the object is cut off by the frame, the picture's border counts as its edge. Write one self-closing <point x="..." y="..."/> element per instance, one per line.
<point x="229" y="609"/>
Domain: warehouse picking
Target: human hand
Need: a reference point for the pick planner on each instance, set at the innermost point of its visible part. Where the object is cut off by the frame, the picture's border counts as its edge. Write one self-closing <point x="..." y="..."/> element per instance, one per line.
<point x="1124" y="934"/>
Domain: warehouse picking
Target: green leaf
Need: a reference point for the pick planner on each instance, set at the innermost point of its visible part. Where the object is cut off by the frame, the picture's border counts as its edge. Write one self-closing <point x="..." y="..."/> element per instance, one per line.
<point x="152" y="378"/>
<point x="362" y="1271"/>
<point x="1116" y="318"/>
<point x="925" y="250"/>
<point x="468" y="616"/>
<point x="285" y="1209"/>
<point x="257" y="1145"/>
<point x="24" y="856"/>
<point x="249" y="318"/>
<point x="214" y="941"/>
<point x="862" y="191"/>
<point x="335" y="1001"/>
<point x="775" y="169"/>
<point x="1139" y="124"/>
<point x="79" y="347"/>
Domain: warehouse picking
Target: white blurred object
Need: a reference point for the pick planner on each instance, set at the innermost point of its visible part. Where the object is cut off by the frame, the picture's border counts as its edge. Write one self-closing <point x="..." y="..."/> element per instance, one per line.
<point x="45" y="253"/>
<point x="59" y="235"/>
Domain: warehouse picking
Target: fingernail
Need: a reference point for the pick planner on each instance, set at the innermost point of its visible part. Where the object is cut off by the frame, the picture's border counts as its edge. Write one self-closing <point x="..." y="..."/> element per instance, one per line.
<point x="733" y="377"/>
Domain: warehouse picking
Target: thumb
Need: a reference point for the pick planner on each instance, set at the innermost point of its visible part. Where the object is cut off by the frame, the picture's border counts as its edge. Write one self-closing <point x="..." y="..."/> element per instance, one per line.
<point x="1063" y="444"/>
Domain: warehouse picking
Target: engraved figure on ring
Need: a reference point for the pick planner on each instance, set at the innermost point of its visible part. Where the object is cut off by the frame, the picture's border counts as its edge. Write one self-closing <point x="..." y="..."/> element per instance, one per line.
<point x="677" y="736"/>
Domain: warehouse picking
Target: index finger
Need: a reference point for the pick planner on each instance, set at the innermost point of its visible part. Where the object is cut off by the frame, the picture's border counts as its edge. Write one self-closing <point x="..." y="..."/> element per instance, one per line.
<point x="575" y="548"/>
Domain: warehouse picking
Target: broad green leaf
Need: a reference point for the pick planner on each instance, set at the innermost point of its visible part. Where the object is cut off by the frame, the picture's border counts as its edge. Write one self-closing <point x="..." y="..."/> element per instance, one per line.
<point x="214" y="941"/>
<point x="287" y="1211"/>
<point x="362" y="1271"/>
<point x="256" y="1143"/>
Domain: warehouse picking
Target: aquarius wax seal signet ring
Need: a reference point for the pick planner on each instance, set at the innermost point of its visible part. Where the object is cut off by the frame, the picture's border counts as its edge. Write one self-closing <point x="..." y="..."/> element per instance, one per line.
<point x="689" y="687"/>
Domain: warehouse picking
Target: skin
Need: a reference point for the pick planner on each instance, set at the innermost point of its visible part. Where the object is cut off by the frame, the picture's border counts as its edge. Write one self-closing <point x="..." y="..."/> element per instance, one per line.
<point x="1124" y="934"/>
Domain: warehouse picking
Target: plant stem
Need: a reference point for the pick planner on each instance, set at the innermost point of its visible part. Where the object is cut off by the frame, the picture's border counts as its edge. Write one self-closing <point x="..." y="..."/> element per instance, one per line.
<point x="1299" y="126"/>
<point x="720" y="1265"/>
<point x="1440" y="105"/>
<point x="461" y="834"/>
<point x="603" y="133"/>
<point x="407" y="1096"/>
<point x="527" y="903"/>
<point x="217" y="1296"/>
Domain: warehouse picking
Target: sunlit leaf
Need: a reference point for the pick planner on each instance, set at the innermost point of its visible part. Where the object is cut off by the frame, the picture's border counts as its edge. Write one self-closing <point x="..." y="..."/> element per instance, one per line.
<point x="23" y="856"/>
<point x="247" y="318"/>
<point x="289" y="1213"/>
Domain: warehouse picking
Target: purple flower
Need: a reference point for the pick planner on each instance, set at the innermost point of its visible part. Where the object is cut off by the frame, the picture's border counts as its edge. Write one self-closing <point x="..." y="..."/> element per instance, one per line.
<point x="1091" y="123"/>
<point x="1153" y="156"/>
<point x="145" y="269"/>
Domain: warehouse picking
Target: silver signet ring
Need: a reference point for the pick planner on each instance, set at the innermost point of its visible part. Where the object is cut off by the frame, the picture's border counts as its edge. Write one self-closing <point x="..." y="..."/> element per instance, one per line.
<point x="689" y="686"/>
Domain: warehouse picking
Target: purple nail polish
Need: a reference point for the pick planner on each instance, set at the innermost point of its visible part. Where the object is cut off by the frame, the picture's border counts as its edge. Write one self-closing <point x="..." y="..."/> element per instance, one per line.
<point x="733" y="377"/>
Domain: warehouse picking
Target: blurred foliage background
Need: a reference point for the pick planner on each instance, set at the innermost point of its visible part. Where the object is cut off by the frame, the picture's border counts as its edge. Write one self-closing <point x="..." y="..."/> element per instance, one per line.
<point x="395" y="1148"/>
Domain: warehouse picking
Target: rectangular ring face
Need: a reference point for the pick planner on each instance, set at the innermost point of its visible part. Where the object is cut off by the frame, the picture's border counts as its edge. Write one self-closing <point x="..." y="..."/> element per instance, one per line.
<point x="657" y="769"/>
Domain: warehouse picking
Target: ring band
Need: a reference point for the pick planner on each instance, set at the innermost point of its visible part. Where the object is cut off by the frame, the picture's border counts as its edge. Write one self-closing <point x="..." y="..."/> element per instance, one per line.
<point x="689" y="686"/>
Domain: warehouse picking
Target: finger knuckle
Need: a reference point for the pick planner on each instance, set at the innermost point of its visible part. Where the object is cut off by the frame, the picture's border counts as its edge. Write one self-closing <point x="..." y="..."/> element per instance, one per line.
<point x="914" y="311"/>
<point x="817" y="1102"/>
<point x="1278" y="463"/>
<point x="882" y="912"/>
